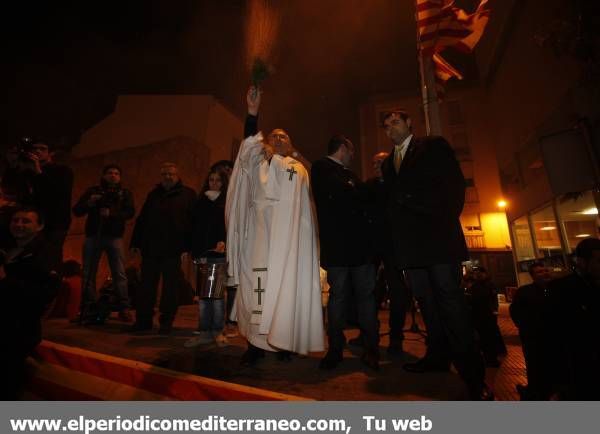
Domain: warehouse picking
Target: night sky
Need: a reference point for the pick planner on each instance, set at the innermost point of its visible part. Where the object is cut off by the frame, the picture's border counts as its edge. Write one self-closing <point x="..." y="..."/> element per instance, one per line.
<point x="65" y="65"/>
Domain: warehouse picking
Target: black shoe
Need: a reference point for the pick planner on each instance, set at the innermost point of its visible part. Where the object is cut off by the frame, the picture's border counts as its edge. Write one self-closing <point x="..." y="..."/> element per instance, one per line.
<point x="426" y="365"/>
<point x="371" y="360"/>
<point x="284" y="356"/>
<point x="93" y="320"/>
<point x="125" y="315"/>
<point x="484" y="393"/>
<point x="395" y="349"/>
<point x="527" y="394"/>
<point x="251" y="356"/>
<point x="138" y="328"/>
<point x="330" y="361"/>
<point x="357" y="341"/>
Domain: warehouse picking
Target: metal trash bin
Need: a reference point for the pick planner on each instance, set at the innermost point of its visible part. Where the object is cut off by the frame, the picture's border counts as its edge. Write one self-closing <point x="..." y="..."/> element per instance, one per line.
<point x="211" y="276"/>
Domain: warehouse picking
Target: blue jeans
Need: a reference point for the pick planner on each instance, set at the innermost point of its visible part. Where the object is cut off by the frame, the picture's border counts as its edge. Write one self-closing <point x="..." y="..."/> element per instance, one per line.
<point x="212" y="314"/>
<point x="362" y="279"/>
<point x="115" y="253"/>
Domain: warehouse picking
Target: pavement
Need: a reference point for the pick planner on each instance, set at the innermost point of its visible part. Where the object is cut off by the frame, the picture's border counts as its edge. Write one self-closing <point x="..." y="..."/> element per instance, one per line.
<point x="349" y="381"/>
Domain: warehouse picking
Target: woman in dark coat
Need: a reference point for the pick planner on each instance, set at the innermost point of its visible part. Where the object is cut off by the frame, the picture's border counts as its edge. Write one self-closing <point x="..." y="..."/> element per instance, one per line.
<point x="209" y="234"/>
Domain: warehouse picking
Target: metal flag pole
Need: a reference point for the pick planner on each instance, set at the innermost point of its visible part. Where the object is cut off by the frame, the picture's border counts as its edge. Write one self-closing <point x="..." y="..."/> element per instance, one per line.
<point x="431" y="107"/>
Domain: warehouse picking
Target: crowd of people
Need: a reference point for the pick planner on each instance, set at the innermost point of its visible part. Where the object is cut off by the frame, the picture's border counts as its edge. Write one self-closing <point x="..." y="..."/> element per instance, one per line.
<point x="277" y="219"/>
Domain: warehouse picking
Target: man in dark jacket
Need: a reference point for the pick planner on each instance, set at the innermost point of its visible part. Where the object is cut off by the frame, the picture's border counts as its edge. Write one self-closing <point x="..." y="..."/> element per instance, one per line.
<point x="527" y="312"/>
<point x="573" y="327"/>
<point x="28" y="283"/>
<point x="341" y="203"/>
<point x="52" y="187"/>
<point x="108" y="206"/>
<point x="162" y="234"/>
<point x="425" y="197"/>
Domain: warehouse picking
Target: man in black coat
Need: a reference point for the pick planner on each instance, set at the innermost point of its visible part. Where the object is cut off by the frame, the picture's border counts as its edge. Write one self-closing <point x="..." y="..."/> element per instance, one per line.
<point x="425" y="197"/>
<point x="28" y="283"/>
<point x="340" y="199"/>
<point x="573" y="326"/>
<point x="107" y="206"/>
<point x="52" y="186"/>
<point x="162" y="233"/>
<point x="527" y="311"/>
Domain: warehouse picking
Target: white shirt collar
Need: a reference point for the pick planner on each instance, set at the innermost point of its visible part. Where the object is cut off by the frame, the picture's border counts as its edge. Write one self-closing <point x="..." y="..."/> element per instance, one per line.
<point x="404" y="145"/>
<point x="212" y="194"/>
<point x="336" y="160"/>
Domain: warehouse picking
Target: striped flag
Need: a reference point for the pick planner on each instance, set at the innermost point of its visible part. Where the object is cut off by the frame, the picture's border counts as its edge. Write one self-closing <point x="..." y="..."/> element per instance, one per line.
<point x="443" y="72"/>
<point x="441" y="25"/>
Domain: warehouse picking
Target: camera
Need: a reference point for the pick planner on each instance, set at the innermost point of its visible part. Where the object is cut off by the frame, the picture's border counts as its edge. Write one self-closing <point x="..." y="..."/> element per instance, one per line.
<point x="109" y="197"/>
<point x="24" y="147"/>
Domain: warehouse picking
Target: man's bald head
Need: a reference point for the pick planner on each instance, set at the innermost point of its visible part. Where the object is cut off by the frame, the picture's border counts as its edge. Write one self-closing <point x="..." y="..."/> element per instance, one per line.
<point x="281" y="142"/>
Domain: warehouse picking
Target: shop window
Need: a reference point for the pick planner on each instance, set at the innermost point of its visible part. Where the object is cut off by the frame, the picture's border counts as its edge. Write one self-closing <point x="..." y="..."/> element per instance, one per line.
<point x="578" y="216"/>
<point x="547" y="235"/>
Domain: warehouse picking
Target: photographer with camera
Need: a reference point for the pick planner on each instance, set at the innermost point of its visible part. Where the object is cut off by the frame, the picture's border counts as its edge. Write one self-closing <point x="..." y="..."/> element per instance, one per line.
<point x="28" y="283"/>
<point x="35" y="179"/>
<point x="108" y="206"/>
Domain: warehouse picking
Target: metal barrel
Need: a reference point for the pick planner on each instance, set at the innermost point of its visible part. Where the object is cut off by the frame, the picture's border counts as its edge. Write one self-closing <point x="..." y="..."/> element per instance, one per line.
<point x="210" y="278"/>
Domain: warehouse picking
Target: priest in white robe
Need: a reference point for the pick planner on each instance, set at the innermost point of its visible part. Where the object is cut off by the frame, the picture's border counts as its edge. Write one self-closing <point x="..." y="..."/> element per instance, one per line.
<point x="272" y="251"/>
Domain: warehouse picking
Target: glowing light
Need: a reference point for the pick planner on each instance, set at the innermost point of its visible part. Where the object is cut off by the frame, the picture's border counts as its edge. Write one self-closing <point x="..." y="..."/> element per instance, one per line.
<point x="547" y="228"/>
<point x="582" y="235"/>
<point x="590" y="211"/>
<point x="501" y="203"/>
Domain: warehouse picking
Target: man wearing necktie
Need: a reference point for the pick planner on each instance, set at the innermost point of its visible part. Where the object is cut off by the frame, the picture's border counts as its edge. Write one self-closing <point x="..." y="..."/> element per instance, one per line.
<point x="425" y="192"/>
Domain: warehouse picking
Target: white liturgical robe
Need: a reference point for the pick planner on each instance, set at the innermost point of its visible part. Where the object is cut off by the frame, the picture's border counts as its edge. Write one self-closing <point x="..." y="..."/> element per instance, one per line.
<point x="272" y="252"/>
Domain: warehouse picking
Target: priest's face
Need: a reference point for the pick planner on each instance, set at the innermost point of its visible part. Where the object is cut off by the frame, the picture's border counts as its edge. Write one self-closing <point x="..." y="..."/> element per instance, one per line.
<point x="280" y="142"/>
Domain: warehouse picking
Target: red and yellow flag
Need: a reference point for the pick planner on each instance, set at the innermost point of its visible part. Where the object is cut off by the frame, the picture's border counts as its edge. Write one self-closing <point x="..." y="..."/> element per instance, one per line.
<point x="441" y="25"/>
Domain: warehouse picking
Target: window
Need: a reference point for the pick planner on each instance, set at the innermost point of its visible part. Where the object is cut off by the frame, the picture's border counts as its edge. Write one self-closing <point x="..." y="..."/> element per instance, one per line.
<point x="460" y="143"/>
<point x="578" y="216"/>
<point x="545" y="230"/>
<point x="523" y="244"/>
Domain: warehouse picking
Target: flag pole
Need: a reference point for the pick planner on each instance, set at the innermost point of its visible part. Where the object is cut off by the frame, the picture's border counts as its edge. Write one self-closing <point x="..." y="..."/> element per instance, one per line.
<point x="431" y="106"/>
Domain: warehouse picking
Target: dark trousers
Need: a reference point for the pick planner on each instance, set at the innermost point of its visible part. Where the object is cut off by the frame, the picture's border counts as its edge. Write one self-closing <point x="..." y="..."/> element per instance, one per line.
<point x="446" y="315"/>
<point x="490" y="338"/>
<point x="399" y="301"/>
<point x="55" y="239"/>
<point x="536" y="363"/>
<point x="14" y="376"/>
<point x="152" y="269"/>
<point x="344" y="281"/>
<point x="93" y="247"/>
